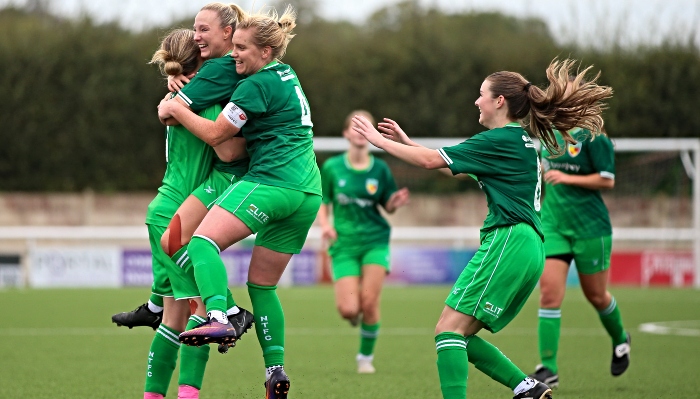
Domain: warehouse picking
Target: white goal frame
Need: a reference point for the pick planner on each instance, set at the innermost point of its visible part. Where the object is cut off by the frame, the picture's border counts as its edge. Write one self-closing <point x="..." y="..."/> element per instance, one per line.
<point x="689" y="150"/>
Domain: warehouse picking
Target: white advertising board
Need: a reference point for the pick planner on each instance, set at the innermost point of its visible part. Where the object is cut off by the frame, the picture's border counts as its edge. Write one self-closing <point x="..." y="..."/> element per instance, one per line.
<point x="75" y="267"/>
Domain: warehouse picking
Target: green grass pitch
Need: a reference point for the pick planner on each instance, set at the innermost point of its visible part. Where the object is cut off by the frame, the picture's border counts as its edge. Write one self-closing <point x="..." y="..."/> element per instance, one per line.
<point x="61" y="344"/>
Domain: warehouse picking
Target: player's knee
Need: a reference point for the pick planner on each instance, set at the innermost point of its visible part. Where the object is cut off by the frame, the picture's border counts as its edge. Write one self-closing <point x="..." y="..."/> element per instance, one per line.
<point x="551" y="297"/>
<point x="348" y="311"/>
<point x="599" y="300"/>
<point x="370" y="305"/>
<point x="171" y="241"/>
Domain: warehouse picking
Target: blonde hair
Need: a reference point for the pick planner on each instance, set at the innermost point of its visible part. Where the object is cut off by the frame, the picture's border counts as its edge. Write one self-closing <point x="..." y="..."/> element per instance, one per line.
<point x="552" y="108"/>
<point x="271" y="30"/>
<point x="178" y="53"/>
<point x="228" y="14"/>
<point x="348" y="119"/>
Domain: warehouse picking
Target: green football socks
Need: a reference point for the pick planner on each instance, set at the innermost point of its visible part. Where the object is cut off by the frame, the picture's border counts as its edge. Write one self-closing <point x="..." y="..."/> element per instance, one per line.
<point x="210" y="273"/>
<point x="368" y="338"/>
<point x="193" y="359"/>
<point x="491" y="361"/>
<point x="548" y="330"/>
<point x="269" y="323"/>
<point x="452" y="364"/>
<point x="612" y="321"/>
<point x="162" y="358"/>
<point x="182" y="259"/>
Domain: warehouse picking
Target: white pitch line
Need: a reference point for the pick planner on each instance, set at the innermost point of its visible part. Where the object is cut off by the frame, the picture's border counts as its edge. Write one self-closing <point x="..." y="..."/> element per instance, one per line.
<point x="686" y="328"/>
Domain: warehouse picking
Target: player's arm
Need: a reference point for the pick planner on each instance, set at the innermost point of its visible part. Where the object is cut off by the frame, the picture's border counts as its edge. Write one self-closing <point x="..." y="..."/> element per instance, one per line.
<point x="328" y="233"/>
<point x="415" y="155"/>
<point x="170" y="121"/>
<point x="232" y="149"/>
<point x="594" y="181"/>
<point x="227" y="124"/>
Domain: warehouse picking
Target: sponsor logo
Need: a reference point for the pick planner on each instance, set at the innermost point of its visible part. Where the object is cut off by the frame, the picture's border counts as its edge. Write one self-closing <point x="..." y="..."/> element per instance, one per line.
<point x="259" y="215"/>
<point x="345" y="200"/>
<point x="242" y="116"/>
<point x="371" y="185"/>
<point x="574" y="149"/>
<point x="493" y="309"/>
<point x="456" y="291"/>
<point x="209" y="190"/>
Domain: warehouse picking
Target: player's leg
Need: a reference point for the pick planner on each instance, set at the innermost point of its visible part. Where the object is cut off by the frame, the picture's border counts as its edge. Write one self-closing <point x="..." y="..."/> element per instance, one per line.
<point x="491" y="290"/>
<point x="186" y="220"/>
<point x="593" y="264"/>
<point x="552" y="291"/>
<point x="559" y="253"/>
<point x="149" y="314"/>
<point x="374" y="269"/>
<point x="219" y="229"/>
<point x="283" y="234"/>
<point x="347" y="298"/>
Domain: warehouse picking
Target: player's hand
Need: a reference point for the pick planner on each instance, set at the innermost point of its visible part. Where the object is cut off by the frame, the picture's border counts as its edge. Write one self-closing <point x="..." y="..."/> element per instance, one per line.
<point x="328" y="234"/>
<point x="555" y="177"/>
<point x="397" y="200"/>
<point x="362" y="125"/>
<point x="164" y="108"/>
<point x="392" y="131"/>
<point x="175" y="83"/>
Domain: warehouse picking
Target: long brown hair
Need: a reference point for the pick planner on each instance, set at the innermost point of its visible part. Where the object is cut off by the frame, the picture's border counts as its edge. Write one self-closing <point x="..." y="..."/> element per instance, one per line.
<point x="554" y="108"/>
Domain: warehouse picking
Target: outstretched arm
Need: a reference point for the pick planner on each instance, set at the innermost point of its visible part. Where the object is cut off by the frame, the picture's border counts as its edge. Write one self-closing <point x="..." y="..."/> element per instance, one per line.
<point x="415" y="155"/>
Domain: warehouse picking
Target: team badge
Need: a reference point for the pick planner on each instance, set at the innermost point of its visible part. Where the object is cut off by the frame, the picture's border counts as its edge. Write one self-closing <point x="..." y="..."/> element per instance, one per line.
<point x="371" y="185"/>
<point x="574" y="149"/>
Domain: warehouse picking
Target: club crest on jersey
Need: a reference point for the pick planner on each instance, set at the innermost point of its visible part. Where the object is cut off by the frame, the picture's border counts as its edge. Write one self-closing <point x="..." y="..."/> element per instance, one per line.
<point x="371" y="185"/>
<point x="574" y="149"/>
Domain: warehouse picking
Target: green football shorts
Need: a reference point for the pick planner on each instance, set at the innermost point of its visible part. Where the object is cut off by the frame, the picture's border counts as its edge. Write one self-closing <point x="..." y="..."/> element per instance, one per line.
<point x="346" y="262"/>
<point x="497" y="281"/>
<point x="159" y="264"/>
<point x="216" y="183"/>
<point x="281" y="217"/>
<point x="592" y="255"/>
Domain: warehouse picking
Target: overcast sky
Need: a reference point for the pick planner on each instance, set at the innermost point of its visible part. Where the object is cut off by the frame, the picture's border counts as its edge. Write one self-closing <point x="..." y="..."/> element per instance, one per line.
<point x="629" y="21"/>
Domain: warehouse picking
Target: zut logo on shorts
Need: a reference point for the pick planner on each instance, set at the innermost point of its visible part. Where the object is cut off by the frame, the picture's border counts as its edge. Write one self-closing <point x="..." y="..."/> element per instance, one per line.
<point x="259" y="215"/>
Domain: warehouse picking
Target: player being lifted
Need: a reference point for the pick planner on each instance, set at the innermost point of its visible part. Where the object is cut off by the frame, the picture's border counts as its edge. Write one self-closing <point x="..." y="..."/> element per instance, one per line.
<point x="500" y="277"/>
<point x="577" y="227"/>
<point x="278" y="198"/>
<point x="355" y="183"/>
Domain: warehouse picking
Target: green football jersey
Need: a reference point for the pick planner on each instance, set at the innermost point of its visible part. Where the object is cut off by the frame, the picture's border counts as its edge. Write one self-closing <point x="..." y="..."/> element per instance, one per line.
<point x="213" y="84"/>
<point x="189" y="162"/>
<point x="278" y="129"/>
<point x="355" y="196"/>
<point x="577" y="210"/>
<point x="505" y="163"/>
